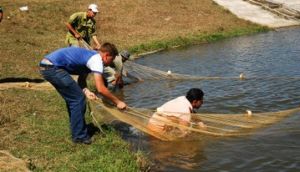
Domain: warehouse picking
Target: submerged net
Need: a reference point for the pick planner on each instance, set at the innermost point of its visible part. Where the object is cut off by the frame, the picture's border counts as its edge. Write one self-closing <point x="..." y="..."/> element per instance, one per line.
<point x="216" y="124"/>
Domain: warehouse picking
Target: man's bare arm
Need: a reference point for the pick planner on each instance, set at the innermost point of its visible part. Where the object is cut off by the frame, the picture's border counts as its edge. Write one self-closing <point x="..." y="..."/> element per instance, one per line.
<point x="98" y="45"/>
<point x="76" y="34"/>
<point x="105" y="92"/>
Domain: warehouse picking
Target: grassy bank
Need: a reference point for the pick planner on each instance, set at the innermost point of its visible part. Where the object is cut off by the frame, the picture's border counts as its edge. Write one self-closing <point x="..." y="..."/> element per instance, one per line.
<point x="34" y="125"/>
<point x="194" y="39"/>
<point x="136" y="25"/>
<point x="40" y="135"/>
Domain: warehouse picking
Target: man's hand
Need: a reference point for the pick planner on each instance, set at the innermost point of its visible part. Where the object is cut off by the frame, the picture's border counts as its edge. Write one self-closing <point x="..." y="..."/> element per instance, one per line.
<point x="97" y="47"/>
<point x="90" y="95"/>
<point x="201" y="125"/>
<point x="120" y="83"/>
<point x="121" y="105"/>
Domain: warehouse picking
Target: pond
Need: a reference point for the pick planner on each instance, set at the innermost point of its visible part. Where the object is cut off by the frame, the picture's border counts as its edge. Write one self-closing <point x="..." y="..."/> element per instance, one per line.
<point x="271" y="63"/>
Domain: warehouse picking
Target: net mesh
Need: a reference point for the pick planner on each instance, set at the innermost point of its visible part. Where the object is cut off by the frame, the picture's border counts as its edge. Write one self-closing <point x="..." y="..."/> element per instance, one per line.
<point x="142" y="72"/>
<point x="216" y="124"/>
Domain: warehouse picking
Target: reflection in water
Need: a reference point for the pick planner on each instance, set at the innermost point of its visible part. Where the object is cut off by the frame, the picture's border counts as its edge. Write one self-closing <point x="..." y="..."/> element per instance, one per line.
<point x="262" y="57"/>
<point x="179" y="154"/>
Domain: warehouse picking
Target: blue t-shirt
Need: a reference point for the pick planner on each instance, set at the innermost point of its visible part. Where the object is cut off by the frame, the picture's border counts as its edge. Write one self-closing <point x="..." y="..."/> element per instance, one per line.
<point x="76" y="60"/>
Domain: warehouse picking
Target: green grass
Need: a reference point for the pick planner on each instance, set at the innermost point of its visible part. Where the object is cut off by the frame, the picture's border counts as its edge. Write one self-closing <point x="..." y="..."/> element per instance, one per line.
<point x="42" y="136"/>
<point x="195" y="39"/>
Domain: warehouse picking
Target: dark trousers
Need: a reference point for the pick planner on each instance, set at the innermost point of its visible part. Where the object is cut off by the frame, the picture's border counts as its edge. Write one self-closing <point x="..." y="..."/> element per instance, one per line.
<point x="74" y="97"/>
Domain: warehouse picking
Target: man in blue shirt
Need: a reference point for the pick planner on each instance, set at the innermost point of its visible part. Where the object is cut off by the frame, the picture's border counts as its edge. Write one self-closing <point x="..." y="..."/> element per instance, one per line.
<point x="56" y="68"/>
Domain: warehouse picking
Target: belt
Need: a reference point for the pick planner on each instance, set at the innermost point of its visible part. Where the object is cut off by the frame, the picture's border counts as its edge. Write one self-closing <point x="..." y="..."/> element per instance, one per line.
<point x="46" y="64"/>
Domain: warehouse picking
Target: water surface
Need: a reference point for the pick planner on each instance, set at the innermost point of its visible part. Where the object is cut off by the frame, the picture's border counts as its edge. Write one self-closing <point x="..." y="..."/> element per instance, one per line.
<point x="271" y="61"/>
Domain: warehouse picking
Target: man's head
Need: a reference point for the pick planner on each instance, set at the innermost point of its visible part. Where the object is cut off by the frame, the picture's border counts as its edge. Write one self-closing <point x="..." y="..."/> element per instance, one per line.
<point x="108" y="53"/>
<point x="195" y="97"/>
<point x="125" y="55"/>
<point x="92" y="10"/>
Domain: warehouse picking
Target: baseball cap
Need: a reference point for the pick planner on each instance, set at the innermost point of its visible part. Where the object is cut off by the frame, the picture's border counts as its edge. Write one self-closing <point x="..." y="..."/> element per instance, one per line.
<point x="125" y="54"/>
<point x="93" y="7"/>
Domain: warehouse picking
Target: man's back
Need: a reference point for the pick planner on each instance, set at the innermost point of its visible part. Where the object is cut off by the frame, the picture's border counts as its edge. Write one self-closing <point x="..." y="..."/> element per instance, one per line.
<point x="76" y="60"/>
<point x="179" y="108"/>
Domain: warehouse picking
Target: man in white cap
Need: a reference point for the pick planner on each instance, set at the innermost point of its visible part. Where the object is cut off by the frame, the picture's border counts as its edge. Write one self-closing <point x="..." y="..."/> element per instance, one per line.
<point x="82" y="25"/>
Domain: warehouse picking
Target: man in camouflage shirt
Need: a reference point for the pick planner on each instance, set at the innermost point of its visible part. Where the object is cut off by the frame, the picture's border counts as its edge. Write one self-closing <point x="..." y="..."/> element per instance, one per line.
<point x="82" y="25"/>
<point x="113" y="73"/>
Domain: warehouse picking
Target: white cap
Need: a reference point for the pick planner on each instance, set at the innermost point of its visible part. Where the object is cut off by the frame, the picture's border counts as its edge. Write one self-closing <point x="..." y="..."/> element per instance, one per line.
<point x="93" y="7"/>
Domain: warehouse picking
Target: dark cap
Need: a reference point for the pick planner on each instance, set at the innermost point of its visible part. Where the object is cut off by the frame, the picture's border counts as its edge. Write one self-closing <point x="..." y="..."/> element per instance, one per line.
<point x="125" y="54"/>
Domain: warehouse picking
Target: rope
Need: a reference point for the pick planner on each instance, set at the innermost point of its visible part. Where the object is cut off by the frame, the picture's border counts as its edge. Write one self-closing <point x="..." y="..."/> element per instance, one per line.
<point x="94" y="118"/>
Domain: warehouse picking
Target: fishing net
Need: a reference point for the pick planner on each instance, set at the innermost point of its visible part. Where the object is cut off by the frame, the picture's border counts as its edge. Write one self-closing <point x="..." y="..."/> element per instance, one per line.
<point x="215" y="124"/>
<point x="142" y="72"/>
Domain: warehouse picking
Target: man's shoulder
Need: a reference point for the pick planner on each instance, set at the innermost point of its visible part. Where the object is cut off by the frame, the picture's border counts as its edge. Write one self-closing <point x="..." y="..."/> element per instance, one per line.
<point x="178" y="102"/>
<point x="117" y="63"/>
<point x="118" y="59"/>
<point x="77" y="50"/>
<point x="78" y="14"/>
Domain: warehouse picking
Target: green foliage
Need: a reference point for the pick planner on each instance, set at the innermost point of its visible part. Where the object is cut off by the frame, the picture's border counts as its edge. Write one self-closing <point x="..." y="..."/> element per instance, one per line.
<point x="196" y="39"/>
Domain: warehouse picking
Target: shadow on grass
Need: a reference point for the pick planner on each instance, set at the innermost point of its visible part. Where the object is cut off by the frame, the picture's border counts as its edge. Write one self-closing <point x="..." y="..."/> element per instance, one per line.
<point x="92" y="129"/>
<point x="13" y="79"/>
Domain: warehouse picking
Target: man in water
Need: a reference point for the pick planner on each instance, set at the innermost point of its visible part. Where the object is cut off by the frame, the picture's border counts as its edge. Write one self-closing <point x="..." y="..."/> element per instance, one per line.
<point x="82" y="25"/>
<point x="57" y="68"/>
<point x="113" y="73"/>
<point x="177" y="111"/>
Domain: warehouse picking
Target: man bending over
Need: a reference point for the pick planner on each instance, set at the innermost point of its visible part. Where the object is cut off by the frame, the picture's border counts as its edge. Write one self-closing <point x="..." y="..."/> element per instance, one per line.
<point x="57" y="68"/>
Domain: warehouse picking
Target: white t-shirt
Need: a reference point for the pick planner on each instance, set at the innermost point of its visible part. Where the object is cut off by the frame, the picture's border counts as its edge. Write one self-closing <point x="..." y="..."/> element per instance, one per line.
<point x="95" y="64"/>
<point x="179" y="107"/>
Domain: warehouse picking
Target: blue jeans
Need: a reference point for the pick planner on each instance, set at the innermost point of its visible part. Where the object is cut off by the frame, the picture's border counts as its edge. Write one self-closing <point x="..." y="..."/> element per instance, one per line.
<point x="74" y="97"/>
